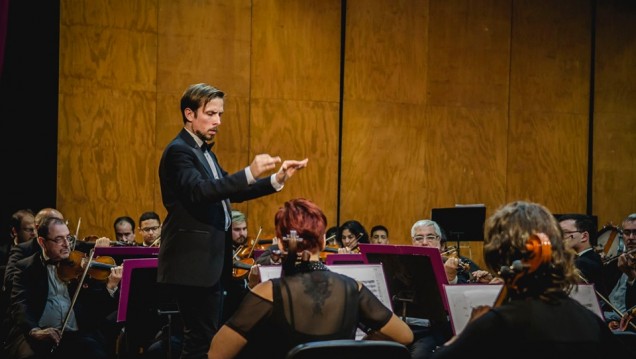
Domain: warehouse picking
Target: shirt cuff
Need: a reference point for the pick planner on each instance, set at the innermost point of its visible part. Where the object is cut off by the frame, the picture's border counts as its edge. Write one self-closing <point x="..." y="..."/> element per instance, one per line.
<point x="248" y="174"/>
<point x="277" y="186"/>
<point x="112" y="291"/>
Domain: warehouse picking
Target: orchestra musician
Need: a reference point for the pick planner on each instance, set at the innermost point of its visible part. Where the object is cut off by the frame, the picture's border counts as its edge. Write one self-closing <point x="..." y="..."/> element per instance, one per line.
<point x="124" y="227"/>
<point x="350" y="234"/>
<point x="321" y="304"/>
<point x="237" y="287"/>
<point x="150" y="227"/>
<point x="620" y="274"/>
<point x="533" y="317"/>
<point x="46" y="321"/>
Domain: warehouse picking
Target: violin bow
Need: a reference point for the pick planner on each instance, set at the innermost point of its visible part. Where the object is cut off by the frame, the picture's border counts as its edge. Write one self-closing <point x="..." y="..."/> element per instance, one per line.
<point x="75" y="295"/>
<point x="260" y="229"/>
<point x="79" y="221"/>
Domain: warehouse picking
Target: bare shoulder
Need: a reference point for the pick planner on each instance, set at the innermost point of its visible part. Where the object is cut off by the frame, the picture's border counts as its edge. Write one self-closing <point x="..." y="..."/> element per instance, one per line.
<point x="264" y="290"/>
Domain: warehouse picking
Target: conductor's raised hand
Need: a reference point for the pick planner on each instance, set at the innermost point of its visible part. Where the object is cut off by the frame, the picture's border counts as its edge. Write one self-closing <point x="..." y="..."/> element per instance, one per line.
<point x="288" y="168"/>
<point x="263" y="163"/>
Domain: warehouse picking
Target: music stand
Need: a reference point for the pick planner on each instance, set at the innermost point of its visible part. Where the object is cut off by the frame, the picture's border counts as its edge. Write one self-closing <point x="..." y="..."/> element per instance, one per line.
<point x="415" y="277"/>
<point x="141" y="301"/>
<point x="461" y="223"/>
<point x="120" y="254"/>
<point x="345" y="259"/>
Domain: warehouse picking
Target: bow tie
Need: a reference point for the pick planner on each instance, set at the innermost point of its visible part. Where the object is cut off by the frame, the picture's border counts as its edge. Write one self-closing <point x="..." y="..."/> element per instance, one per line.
<point x="206" y="147"/>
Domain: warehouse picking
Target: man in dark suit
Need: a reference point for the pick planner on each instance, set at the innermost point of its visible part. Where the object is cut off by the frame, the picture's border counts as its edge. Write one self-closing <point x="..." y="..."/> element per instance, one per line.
<point x="195" y="250"/>
<point x="41" y="301"/>
<point x="579" y="234"/>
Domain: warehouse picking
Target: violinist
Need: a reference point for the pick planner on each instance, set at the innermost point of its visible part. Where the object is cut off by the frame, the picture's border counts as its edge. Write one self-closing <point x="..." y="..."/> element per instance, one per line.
<point x="459" y="269"/>
<point x="237" y="287"/>
<point x="47" y="321"/>
<point x="534" y="317"/>
<point x="321" y="305"/>
<point x="579" y="234"/>
<point x="125" y="231"/>
<point x="620" y="274"/>
<point x="350" y="234"/>
<point x="150" y="227"/>
<point x="379" y="234"/>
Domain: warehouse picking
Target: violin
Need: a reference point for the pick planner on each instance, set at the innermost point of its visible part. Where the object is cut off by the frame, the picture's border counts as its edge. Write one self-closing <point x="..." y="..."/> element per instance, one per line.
<point x="73" y="267"/>
<point x="451" y="252"/>
<point x="243" y="261"/>
<point x="329" y="248"/>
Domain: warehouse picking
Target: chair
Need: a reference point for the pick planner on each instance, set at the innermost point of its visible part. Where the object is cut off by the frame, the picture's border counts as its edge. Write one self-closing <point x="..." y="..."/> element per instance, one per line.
<point x="349" y="349"/>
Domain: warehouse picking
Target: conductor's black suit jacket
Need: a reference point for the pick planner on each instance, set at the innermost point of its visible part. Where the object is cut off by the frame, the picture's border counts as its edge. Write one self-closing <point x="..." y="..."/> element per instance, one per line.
<point x="194" y="244"/>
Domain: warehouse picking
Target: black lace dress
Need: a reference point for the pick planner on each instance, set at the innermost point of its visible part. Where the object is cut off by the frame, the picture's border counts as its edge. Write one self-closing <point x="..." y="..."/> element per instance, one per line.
<point x="311" y="305"/>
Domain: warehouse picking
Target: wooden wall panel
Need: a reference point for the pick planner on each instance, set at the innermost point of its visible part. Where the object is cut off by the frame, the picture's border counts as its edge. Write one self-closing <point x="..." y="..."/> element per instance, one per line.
<point x="106" y="112"/>
<point x="209" y="42"/>
<point x="438" y="97"/>
<point x="614" y="193"/>
<point x="295" y="100"/>
<point x="385" y="50"/>
<point x="296" y="50"/>
<point x="549" y="102"/>
<point x="384" y="94"/>
<point x="301" y="130"/>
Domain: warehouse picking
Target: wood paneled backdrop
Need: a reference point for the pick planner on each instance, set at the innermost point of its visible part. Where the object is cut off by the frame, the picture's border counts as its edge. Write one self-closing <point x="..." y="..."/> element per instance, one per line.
<point x="401" y="106"/>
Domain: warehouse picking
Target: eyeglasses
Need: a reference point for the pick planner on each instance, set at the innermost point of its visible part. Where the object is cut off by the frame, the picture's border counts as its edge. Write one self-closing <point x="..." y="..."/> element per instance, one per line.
<point x="150" y="229"/>
<point x="28" y="229"/>
<point x="569" y="234"/>
<point x="428" y="237"/>
<point x="629" y="232"/>
<point x="58" y="240"/>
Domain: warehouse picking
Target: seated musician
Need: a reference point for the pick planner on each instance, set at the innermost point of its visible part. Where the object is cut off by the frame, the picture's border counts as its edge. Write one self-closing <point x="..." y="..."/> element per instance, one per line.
<point x="237" y="287"/>
<point x="311" y="304"/>
<point x="350" y="234"/>
<point x="620" y="275"/>
<point x="459" y="270"/>
<point x="45" y="318"/>
<point x="150" y="227"/>
<point x="533" y="317"/>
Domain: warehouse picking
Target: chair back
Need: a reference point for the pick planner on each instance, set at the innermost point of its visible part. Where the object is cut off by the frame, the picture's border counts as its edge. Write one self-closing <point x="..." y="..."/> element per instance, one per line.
<point x="349" y="349"/>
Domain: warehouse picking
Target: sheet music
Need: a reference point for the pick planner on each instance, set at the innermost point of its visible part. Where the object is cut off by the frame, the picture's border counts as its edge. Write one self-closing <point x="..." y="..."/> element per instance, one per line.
<point x="463" y="298"/>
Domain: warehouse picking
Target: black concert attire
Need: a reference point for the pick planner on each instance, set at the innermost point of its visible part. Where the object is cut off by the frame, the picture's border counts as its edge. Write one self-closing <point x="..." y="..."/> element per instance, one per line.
<point x="590" y="264"/>
<point x="16" y="253"/>
<point x="36" y="287"/>
<point x="531" y="328"/>
<point x="195" y="253"/>
<point x="312" y="305"/>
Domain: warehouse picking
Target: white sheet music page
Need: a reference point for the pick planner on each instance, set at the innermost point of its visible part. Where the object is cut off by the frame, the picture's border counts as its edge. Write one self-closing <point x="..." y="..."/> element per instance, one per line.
<point x="463" y="298"/>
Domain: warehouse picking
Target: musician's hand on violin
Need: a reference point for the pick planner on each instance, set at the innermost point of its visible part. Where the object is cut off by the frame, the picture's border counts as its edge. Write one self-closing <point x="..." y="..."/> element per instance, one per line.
<point x="288" y="168"/>
<point x="254" y="277"/>
<point x="627" y="264"/>
<point x="114" y="277"/>
<point x="47" y="334"/>
<point x="450" y="267"/>
<point x="482" y="276"/>
<point x="102" y="242"/>
<point x="344" y="250"/>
